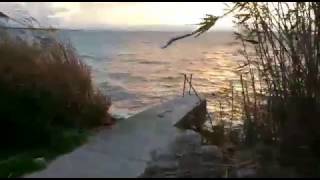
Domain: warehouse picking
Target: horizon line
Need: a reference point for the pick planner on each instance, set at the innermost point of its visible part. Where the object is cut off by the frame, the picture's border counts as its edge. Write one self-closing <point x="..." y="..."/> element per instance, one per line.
<point x="107" y="29"/>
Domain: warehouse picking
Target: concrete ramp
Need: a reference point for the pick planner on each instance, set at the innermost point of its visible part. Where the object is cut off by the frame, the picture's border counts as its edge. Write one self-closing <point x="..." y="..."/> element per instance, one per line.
<point x="124" y="150"/>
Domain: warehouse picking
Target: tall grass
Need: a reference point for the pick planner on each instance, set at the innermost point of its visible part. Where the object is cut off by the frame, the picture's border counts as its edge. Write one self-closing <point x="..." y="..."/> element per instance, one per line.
<point x="43" y="91"/>
<point x="284" y="38"/>
<point x="281" y="47"/>
<point x="47" y="99"/>
<point x="280" y="78"/>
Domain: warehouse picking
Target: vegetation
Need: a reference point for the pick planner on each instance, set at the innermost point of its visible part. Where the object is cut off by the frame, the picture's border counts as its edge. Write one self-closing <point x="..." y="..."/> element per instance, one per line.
<point x="280" y="78"/>
<point x="17" y="162"/>
<point x="48" y="104"/>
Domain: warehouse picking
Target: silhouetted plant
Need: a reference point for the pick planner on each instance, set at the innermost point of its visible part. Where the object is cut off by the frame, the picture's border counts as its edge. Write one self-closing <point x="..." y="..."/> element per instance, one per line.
<point x="43" y="89"/>
<point x="280" y="76"/>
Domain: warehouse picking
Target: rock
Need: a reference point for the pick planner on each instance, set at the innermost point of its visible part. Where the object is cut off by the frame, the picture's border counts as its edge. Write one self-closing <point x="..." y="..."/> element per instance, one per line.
<point x="164" y="165"/>
<point x="161" y="168"/>
<point x="186" y="142"/>
<point x="163" y="154"/>
<point x="246" y="173"/>
<point x="185" y="157"/>
<point x="40" y="161"/>
<point x="210" y="152"/>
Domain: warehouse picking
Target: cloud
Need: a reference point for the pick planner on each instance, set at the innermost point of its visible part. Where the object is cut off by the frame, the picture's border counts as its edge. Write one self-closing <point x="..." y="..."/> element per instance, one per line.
<point x="114" y="14"/>
<point x="60" y="10"/>
<point x="40" y="11"/>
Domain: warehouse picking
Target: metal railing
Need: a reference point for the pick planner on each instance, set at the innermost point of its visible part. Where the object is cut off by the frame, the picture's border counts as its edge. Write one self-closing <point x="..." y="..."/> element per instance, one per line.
<point x="189" y="81"/>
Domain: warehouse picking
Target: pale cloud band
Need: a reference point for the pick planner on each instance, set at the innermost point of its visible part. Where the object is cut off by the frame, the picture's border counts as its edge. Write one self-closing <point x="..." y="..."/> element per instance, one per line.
<point x="118" y="14"/>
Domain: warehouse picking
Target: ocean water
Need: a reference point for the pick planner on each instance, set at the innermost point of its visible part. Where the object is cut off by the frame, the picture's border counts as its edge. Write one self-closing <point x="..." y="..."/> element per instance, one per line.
<point x="132" y="68"/>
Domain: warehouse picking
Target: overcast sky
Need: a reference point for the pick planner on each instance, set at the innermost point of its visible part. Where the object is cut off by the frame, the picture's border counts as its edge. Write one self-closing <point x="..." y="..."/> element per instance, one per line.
<point x="125" y="15"/>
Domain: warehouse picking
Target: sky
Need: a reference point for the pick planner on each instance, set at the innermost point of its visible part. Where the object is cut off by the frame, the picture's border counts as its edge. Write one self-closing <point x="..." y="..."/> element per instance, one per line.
<point x="119" y="15"/>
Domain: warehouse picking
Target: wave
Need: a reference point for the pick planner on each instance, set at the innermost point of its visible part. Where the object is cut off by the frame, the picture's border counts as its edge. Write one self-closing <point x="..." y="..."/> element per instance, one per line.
<point x="126" y="77"/>
<point x="117" y="93"/>
<point x="136" y="73"/>
<point x="126" y="54"/>
<point x="152" y="62"/>
<point x="92" y="57"/>
<point x="118" y="75"/>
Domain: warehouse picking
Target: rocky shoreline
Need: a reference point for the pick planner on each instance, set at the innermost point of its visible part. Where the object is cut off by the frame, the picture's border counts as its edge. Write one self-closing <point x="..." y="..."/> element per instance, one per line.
<point x="186" y="157"/>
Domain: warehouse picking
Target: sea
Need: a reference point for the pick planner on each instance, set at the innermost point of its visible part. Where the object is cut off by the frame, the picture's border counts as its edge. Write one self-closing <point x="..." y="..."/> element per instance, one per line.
<point x="133" y="69"/>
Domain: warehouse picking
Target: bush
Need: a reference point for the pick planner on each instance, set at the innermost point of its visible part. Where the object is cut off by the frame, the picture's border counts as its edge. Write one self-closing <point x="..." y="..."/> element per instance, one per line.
<point x="280" y="77"/>
<point x="42" y="90"/>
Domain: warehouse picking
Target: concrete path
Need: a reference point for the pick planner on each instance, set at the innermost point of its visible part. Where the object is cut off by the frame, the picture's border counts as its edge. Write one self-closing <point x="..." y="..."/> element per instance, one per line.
<point x="124" y="150"/>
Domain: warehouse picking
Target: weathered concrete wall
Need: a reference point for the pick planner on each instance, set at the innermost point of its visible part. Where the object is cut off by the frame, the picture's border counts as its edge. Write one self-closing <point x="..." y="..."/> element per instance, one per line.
<point x="195" y="118"/>
<point x="125" y="150"/>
